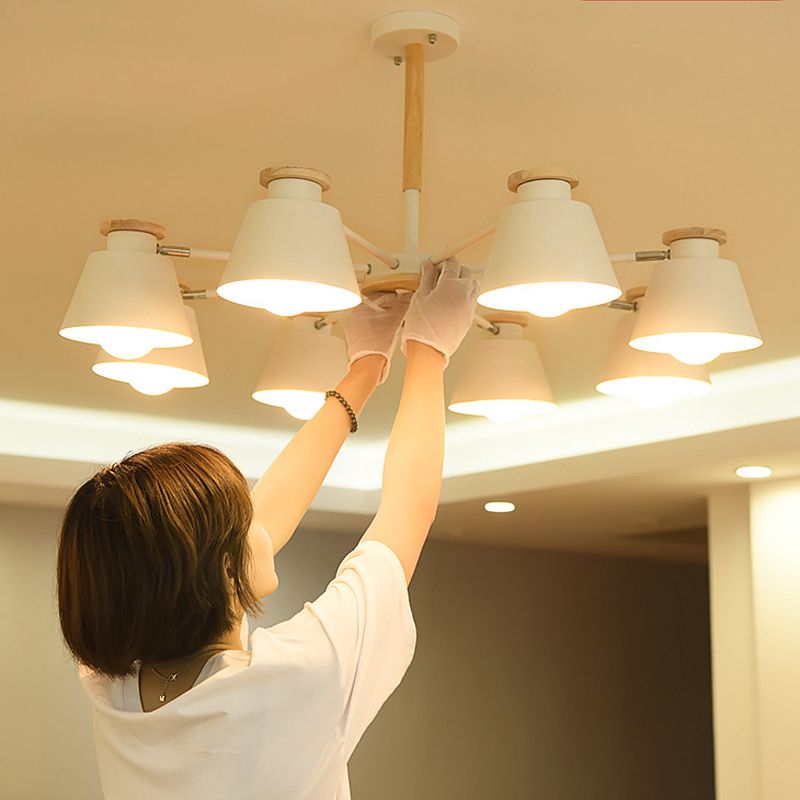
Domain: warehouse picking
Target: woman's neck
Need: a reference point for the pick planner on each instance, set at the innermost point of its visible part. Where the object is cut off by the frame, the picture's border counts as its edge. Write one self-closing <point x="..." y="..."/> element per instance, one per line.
<point x="230" y="640"/>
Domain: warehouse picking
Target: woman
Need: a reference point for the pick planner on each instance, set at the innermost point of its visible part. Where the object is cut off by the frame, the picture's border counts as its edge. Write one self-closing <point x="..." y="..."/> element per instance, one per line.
<point x="161" y="555"/>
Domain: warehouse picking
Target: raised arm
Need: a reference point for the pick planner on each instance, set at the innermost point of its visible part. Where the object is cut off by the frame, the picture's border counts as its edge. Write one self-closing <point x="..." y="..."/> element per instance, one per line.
<point x="412" y="470"/>
<point x="438" y="319"/>
<point x="286" y="489"/>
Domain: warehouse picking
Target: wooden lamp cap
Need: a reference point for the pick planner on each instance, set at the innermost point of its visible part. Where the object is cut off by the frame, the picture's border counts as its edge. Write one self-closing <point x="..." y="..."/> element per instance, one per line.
<point x="513" y="317"/>
<point x="153" y="228"/>
<point x="546" y="173"/>
<point x="304" y="173"/>
<point x="696" y="232"/>
<point x="634" y="294"/>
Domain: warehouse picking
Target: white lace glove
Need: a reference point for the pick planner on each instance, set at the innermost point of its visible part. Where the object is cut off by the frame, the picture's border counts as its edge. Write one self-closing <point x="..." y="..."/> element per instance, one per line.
<point x="374" y="327"/>
<point x="441" y="313"/>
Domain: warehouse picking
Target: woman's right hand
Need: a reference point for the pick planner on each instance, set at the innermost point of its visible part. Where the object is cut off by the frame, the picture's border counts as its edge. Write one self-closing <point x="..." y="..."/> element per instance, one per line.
<point x="442" y="309"/>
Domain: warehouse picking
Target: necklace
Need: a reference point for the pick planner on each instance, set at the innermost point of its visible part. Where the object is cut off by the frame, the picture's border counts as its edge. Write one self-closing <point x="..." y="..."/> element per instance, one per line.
<point x="172" y="677"/>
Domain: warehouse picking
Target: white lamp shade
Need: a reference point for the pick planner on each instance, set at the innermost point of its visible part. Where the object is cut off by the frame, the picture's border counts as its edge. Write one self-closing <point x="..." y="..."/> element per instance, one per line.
<point x="547" y="256"/>
<point x="127" y="300"/>
<point x="161" y="370"/>
<point x="502" y="378"/>
<point x="697" y="306"/>
<point x="301" y="366"/>
<point x="291" y="254"/>
<point x="651" y="379"/>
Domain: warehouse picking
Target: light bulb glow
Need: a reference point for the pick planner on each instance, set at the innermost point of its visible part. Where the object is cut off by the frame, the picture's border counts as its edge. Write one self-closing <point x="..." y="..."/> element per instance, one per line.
<point x="152" y="386"/>
<point x="695" y="348"/>
<point x="502" y="410"/>
<point x="287" y="298"/>
<point x="127" y="349"/>
<point x="551" y="299"/>
<point x="696" y="357"/>
<point x="124" y="342"/>
<point x="304" y="409"/>
<point x="300" y="403"/>
<point x="499" y="507"/>
<point x="754" y="472"/>
<point x="142" y="375"/>
<point x="284" y="309"/>
<point x="654" y="391"/>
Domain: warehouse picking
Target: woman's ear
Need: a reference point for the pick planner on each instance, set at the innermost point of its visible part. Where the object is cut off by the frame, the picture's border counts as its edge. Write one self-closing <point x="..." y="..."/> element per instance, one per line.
<point x="226" y="563"/>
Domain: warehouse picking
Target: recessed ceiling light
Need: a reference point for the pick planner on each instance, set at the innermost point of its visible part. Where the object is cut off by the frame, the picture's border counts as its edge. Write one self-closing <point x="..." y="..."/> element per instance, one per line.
<point x="499" y="507"/>
<point x="754" y="472"/>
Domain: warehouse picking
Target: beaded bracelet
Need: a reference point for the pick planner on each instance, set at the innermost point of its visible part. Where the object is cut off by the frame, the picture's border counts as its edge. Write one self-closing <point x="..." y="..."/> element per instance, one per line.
<point x="347" y="408"/>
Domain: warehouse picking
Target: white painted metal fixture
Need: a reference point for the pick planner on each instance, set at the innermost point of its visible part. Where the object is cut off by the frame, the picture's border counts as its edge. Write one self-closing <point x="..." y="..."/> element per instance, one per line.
<point x="128" y="300"/>
<point x="161" y="370"/>
<point x="698" y="307"/>
<point x="303" y="363"/>
<point x="501" y="375"/>
<point x="650" y="379"/>
<point x="291" y="254"/>
<point x="548" y="257"/>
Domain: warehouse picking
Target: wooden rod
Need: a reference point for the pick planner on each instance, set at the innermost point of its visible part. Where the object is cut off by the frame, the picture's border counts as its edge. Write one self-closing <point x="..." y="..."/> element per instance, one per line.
<point x="412" y="130"/>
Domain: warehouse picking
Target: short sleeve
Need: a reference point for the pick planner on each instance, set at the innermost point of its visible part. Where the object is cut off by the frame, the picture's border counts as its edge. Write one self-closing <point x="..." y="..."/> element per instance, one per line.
<point x="366" y="614"/>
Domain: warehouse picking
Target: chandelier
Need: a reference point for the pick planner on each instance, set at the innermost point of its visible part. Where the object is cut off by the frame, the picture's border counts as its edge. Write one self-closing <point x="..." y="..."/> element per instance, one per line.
<point x="291" y="258"/>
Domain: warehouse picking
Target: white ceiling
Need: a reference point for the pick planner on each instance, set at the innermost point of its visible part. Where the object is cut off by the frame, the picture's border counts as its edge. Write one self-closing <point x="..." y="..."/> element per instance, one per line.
<point x="673" y="114"/>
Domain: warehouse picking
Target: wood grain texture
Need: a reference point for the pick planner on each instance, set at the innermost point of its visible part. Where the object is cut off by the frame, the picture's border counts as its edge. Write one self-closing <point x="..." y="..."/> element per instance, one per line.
<point x="141" y="225"/>
<point x="694" y="232"/>
<point x="414" y="112"/>
<point x="409" y="281"/>
<point x="542" y="173"/>
<point x="514" y="317"/>
<point x="304" y="173"/>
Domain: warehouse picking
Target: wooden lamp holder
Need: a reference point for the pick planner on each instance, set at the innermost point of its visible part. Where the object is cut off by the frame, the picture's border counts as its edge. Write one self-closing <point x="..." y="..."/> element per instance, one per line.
<point x="509" y="317"/>
<point x="139" y="225"/>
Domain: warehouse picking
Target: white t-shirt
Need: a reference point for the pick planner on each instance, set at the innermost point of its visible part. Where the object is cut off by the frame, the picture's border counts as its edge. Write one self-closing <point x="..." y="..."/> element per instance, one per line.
<point x="279" y="723"/>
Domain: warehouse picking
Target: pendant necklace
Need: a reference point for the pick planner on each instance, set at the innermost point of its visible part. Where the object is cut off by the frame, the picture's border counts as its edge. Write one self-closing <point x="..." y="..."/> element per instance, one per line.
<point x="172" y="677"/>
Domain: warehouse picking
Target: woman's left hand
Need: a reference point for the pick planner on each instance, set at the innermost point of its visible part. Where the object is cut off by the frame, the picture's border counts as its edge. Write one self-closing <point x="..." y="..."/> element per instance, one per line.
<point x="374" y="327"/>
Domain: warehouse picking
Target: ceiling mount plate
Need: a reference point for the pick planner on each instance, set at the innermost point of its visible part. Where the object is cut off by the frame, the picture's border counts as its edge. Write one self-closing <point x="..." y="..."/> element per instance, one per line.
<point x="439" y="33"/>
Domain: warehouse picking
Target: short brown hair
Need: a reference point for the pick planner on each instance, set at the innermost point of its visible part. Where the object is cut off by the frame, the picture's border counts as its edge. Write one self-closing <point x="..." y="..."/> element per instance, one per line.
<point x="141" y="557"/>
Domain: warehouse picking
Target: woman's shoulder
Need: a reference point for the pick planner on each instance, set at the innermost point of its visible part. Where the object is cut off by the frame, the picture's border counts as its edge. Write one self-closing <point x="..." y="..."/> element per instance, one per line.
<point x="298" y="643"/>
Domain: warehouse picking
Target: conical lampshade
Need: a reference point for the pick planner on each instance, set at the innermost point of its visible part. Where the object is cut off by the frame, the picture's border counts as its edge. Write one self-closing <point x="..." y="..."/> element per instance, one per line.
<point x="303" y="364"/>
<point x="291" y="254"/>
<point x="128" y="299"/>
<point x="697" y="305"/>
<point x="502" y="378"/>
<point x="547" y="256"/>
<point x="652" y="379"/>
<point x="161" y="370"/>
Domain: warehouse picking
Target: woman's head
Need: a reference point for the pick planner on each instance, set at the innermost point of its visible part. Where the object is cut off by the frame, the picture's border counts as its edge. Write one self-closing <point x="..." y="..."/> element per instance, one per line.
<point x="159" y="555"/>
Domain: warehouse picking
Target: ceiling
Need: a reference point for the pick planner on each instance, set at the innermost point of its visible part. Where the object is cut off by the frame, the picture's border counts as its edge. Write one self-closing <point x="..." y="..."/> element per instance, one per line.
<point x="673" y="114"/>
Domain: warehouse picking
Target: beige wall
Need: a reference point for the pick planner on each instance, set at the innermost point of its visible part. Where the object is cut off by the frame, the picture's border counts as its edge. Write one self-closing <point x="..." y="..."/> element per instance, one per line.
<point x="537" y="675"/>
<point x="755" y="601"/>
